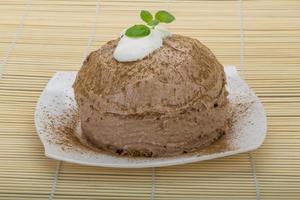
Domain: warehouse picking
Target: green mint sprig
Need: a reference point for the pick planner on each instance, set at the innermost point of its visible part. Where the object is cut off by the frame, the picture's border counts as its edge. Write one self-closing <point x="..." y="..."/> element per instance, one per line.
<point x="142" y="30"/>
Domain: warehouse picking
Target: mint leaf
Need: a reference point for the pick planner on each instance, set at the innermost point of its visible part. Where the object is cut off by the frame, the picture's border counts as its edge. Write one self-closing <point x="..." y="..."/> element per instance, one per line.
<point x="164" y="16"/>
<point x="137" y="31"/>
<point x="153" y="22"/>
<point x="146" y="16"/>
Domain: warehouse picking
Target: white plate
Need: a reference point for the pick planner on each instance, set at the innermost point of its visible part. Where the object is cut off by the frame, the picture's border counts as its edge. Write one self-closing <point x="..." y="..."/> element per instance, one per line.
<point x="56" y="119"/>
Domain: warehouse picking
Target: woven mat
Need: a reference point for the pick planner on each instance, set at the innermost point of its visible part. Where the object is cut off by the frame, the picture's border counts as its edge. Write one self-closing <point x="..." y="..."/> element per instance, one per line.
<point x="39" y="37"/>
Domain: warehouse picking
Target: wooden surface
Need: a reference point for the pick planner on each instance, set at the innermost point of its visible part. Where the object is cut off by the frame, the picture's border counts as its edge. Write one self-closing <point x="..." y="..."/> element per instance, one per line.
<point x="55" y="35"/>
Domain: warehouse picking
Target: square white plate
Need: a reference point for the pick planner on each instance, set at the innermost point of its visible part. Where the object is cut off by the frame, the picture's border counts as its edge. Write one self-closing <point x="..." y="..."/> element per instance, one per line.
<point x="56" y="123"/>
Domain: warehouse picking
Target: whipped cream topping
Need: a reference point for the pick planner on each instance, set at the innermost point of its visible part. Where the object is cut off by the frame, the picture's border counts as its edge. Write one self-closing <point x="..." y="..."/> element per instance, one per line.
<point x="132" y="49"/>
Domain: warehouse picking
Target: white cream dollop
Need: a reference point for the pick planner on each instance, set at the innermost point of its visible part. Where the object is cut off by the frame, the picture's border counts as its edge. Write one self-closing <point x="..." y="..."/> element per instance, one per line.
<point x="132" y="49"/>
<point x="164" y="32"/>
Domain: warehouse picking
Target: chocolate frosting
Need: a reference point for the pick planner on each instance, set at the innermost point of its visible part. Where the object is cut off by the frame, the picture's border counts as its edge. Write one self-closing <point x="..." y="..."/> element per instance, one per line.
<point x="172" y="101"/>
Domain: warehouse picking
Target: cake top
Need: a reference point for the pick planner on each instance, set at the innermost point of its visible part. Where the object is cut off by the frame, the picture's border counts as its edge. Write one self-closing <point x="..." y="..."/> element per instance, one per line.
<point x="179" y="74"/>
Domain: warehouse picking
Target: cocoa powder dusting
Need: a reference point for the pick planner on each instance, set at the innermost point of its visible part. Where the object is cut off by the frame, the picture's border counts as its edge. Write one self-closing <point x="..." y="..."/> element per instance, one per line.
<point x="63" y="127"/>
<point x="222" y="144"/>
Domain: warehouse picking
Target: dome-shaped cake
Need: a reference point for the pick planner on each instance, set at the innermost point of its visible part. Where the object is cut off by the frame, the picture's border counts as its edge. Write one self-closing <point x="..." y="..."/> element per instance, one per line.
<point x="171" y="102"/>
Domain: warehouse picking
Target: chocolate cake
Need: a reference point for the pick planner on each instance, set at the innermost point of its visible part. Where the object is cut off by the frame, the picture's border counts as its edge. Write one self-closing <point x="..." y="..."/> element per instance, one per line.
<point x="173" y="101"/>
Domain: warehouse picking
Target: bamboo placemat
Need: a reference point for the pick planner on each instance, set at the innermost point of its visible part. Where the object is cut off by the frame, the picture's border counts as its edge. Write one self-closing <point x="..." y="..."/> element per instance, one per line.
<point x="261" y="37"/>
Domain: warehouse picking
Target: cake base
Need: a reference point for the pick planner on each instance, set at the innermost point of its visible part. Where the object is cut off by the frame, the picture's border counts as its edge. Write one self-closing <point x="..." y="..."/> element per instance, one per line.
<point x="140" y="151"/>
<point x="156" y="135"/>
